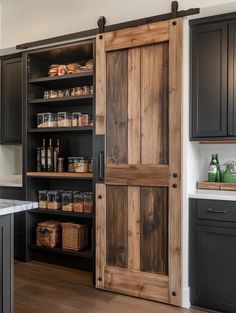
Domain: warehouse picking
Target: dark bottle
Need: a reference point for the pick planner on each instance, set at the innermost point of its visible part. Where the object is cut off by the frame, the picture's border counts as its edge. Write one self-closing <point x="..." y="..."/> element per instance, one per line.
<point x="56" y="154"/>
<point x="43" y="156"/>
<point x="38" y="159"/>
<point x="218" y="178"/>
<point x="50" y="156"/>
<point x="213" y="169"/>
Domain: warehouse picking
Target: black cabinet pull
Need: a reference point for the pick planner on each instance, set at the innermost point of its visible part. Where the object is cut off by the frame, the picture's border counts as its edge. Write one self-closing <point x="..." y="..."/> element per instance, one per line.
<point x="210" y="210"/>
<point x="101" y="166"/>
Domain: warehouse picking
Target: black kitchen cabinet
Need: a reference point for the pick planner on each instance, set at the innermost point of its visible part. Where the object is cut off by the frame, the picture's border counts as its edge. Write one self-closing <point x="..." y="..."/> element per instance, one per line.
<point x="209" y="80"/>
<point x="212" y="259"/>
<point x="19" y="221"/>
<point x="11" y="100"/>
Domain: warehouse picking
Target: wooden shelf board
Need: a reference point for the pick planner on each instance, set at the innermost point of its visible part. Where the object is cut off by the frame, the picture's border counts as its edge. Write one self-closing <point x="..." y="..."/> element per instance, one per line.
<point x="88" y="254"/>
<point x="62" y="213"/>
<point x="60" y="175"/>
<point x="63" y="99"/>
<point x="60" y="129"/>
<point x="216" y="186"/>
<point x="59" y="78"/>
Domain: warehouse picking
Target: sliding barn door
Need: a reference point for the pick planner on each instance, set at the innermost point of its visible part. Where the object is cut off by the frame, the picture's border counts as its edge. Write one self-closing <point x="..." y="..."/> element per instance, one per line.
<point x="138" y="203"/>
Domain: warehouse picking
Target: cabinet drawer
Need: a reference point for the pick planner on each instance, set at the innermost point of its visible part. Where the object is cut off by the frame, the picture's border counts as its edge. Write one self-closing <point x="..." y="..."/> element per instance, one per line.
<point x="216" y="210"/>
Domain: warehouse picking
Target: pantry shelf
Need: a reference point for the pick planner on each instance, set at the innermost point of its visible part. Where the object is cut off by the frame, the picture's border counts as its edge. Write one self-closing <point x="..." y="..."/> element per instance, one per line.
<point x="60" y="129"/>
<point x="88" y="254"/>
<point x="63" y="213"/>
<point x="63" y="175"/>
<point x="71" y="99"/>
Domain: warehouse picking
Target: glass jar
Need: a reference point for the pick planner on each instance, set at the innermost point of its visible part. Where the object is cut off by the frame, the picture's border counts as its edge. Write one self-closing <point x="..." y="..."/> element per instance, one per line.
<point x="40" y="120"/>
<point x="78" y="200"/>
<point x="79" y="91"/>
<point x="91" y="90"/>
<point x="67" y="201"/>
<point x="42" y="199"/>
<point x="50" y="120"/>
<point x="60" y="166"/>
<point x="54" y="200"/>
<point x="75" y="119"/>
<point x="52" y="94"/>
<point x="60" y="93"/>
<point x="81" y="165"/>
<point x="90" y="165"/>
<point x="64" y="119"/>
<point x="86" y="90"/>
<point x="71" y="164"/>
<point x="46" y="94"/>
<point x="88" y="202"/>
<point x="67" y="92"/>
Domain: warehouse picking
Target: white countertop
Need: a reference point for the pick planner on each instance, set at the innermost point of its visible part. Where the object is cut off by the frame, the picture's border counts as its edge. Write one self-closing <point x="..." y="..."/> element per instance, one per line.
<point x="213" y="195"/>
<point x="14" y="206"/>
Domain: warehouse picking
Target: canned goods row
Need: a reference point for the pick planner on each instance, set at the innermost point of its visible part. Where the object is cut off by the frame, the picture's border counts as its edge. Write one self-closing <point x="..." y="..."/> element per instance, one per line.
<point x="71" y="201"/>
<point x="70" y="92"/>
<point x="63" y="119"/>
<point x="80" y="164"/>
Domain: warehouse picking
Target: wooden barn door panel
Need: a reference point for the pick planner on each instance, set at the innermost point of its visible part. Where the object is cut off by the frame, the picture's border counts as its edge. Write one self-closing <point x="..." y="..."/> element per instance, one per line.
<point x="138" y="110"/>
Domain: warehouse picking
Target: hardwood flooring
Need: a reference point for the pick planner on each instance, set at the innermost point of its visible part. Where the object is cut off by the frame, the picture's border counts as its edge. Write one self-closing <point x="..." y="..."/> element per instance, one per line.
<point x="46" y="288"/>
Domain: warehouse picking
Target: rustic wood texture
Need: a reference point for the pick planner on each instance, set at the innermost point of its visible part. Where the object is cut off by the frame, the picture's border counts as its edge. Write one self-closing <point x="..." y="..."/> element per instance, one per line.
<point x="154" y="104"/>
<point x="137" y="175"/>
<point x="216" y="186"/>
<point x="100" y="87"/>
<point x="100" y="234"/>
<point x="117" y="107"/>
<point x="134" y="228"/>
<point x="134" y="283"/>
<point x="117" y="226"/>
<point x="65" y="174"/>
<point x="137" y="36"/>
<point x="134" y="105"/>
<point x="47" y="288"/>
<point x="154" y="230"/>
<point x="175" y="148"/>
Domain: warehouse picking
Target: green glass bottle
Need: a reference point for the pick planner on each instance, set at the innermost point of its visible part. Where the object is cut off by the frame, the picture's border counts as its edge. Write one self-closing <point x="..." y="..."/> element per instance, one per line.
<point x="218" y="179"/>
<point x="213" y="171"/>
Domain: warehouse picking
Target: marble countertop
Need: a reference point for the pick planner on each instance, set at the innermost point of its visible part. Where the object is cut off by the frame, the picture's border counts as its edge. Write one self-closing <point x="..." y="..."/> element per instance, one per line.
<point x="213" y="195"/>
<point x="14" y="206"/>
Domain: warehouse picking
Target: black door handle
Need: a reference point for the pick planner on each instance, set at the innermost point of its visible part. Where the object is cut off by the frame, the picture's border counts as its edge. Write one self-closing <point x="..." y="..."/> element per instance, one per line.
<point x="210" y="210"/>
<point x="101" y="166"/>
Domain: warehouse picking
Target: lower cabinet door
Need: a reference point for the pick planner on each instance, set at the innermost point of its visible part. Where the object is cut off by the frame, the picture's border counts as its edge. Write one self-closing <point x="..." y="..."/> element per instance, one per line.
<point x="215" y="268"/>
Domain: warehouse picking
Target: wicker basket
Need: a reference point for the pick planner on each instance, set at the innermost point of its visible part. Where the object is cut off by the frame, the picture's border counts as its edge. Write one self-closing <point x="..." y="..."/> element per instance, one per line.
<point x="48" y="234"/>
<point x="74" y="236"/>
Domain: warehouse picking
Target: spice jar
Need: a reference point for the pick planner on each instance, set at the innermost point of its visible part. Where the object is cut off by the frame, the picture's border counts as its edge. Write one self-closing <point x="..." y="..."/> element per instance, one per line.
<point x="46" y="94"/>
<point x="64" y="119"/>
<point x="88" y="202"/>
<point x="71" y="164"/>
<point x="50" y="120"/>
<point x="67" y="92"/>
<point x="67" y="201"/>
<point x="54" y="200"/>
<point x="81" y="165"/>
<point x="60" y="166"/>
<point x="42" y="199"/>
<point x="75" y="119"/>
<point x="52" y="94"/>
<point x="79" y="91"/>
<point x="40" y="120"/>
<point x="60" y="93"/>
<point x="78" y="200"/>
<point x="86" y="90"/>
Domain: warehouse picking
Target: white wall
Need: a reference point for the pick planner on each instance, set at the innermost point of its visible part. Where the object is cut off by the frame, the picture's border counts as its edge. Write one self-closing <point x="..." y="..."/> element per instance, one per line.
<point x="30" y="20"/>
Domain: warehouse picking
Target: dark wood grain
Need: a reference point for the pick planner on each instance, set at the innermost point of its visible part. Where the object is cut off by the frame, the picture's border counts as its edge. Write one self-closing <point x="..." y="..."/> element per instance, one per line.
<point x="117" y="226"/>
<point x="154" y="230"/>
<point x="117" y="107"/>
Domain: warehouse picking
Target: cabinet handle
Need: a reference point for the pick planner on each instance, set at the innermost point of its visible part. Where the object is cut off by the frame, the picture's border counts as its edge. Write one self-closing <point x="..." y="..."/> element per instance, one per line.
<point x="210" y="210"/>
<point x="101" y="166"/>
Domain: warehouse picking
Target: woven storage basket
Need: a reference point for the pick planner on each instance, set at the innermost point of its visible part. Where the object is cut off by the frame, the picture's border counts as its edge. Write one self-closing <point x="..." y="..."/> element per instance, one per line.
<point x="48" y="234"/>
<point x="74" y="236"/>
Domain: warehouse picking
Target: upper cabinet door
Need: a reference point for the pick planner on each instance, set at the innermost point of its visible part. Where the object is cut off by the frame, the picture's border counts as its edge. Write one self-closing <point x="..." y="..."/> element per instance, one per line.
<point x="209" y="80"/>
<point x="11" y="101"/>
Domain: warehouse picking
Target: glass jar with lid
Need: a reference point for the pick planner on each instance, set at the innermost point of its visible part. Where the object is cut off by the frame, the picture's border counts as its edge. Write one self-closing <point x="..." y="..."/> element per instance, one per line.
<point x="81" y="165"/>
<point x="40" y="120"/>
<point x="71" y="164"/>
<point x="75" y="119"/>
<point x="67" y="201"/>
<point x="42" y="199"/>
<point x="50" y="120"/>
<point x="78" y="200"/>
<point x="88" y="202"/>
<point x="64" y="119"/>
<point x="54" y="200"/>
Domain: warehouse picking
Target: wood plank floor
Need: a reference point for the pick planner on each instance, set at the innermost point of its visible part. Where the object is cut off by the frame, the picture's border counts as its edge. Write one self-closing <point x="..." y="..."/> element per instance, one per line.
<point x="46" y="288"/>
